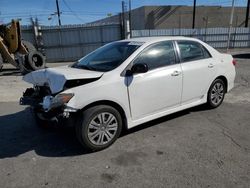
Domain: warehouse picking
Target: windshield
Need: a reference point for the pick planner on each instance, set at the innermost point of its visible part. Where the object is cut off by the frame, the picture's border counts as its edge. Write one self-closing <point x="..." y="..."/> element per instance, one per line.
<point x="108" y="57"/>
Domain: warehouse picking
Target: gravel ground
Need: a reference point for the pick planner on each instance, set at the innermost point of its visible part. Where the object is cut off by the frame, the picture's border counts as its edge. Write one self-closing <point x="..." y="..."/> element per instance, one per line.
<point x="192" y="148"/>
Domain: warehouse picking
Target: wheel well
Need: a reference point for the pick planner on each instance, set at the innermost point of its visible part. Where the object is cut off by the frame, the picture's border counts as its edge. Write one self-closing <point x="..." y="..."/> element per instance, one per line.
<point x="112" y="104"/>
<point x="224" y="79"/>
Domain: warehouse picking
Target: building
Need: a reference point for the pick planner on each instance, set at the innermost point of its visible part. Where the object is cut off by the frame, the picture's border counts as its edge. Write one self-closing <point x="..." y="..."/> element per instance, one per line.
<point x="166" y="17"/>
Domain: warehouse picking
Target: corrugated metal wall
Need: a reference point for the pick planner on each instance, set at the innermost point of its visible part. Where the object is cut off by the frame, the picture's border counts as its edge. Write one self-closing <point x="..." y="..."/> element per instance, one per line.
<point x="216" y="37"/>
<point x="69" y="43"/>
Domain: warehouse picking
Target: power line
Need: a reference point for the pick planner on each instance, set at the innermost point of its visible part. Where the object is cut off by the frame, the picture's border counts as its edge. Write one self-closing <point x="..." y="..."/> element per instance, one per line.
<point x="49" y="13"/>
<point x="66" y="4"/>
<point x="219" y="3"/>
<point x="52" y="21"/>
<point x="17" y="13"/>
<point x="25" y="16"/>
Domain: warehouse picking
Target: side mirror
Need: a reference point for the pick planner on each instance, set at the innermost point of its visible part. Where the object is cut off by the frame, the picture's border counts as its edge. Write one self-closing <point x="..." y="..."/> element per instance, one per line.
<point x="138" y="68"/>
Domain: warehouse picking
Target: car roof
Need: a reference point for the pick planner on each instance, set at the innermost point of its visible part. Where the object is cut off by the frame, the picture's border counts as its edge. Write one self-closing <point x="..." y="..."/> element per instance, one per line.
<point x="159" y="39"/>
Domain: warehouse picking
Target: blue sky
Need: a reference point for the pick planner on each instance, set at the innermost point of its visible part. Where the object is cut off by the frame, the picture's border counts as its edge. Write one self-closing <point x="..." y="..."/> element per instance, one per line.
<point x="83" y="11"/>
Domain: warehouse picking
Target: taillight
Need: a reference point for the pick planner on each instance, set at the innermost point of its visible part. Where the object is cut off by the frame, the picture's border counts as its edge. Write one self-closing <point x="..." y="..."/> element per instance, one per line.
<point x="234" y="62"/>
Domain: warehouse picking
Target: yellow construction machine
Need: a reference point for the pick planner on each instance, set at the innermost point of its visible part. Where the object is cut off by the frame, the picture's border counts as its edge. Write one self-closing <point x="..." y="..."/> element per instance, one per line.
<point x="21" y="54"/>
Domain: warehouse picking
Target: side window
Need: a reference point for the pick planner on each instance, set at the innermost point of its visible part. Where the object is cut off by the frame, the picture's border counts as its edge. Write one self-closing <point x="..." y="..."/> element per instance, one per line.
<point x="157" y="55"/>
<point x="206" y="52"/>
<point x="191" y="51"/>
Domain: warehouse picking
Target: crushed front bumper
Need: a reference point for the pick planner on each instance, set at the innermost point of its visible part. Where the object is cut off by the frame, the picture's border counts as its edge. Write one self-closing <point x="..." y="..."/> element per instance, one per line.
<point x="58" y="115"/>
<point x="34" y="96"/>
<point x="28" y="101"/>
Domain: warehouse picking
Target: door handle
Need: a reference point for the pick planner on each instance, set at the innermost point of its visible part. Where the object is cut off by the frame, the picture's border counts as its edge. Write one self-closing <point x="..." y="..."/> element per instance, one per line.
<point x="210" y="65"/>
<point x="176" y="73"/>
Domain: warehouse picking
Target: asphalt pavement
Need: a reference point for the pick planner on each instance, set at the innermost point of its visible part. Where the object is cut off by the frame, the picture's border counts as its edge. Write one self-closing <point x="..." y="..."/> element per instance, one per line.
<point x="193" y="148"/>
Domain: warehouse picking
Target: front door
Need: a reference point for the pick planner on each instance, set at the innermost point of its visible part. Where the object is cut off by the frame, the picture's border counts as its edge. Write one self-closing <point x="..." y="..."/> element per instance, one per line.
<point x="158" y="89"/>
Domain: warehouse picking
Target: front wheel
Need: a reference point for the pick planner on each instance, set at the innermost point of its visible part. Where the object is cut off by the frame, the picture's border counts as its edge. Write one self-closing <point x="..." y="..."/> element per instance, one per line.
<point x="216" y="93"/>
<point x="98" y="127"/>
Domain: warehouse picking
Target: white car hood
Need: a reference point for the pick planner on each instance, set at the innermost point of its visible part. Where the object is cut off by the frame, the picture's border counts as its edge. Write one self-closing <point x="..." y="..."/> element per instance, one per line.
<point x="57" y="77"/>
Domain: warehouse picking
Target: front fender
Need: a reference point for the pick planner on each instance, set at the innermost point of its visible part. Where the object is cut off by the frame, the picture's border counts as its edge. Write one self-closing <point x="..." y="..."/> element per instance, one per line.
<point x="85" y="95"/>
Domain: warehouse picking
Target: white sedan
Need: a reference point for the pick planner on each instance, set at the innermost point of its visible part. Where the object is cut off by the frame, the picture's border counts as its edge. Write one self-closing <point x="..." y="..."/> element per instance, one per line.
<point x="129" y="82"/>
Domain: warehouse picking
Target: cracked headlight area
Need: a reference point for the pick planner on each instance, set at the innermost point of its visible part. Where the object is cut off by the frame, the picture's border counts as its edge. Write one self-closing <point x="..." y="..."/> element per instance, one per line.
<point x="50" y="102"/>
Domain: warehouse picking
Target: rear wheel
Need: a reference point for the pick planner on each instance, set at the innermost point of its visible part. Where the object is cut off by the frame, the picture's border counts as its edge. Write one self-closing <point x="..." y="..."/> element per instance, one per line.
<point x="99" y="127"/>
<point x="216" y="93"/>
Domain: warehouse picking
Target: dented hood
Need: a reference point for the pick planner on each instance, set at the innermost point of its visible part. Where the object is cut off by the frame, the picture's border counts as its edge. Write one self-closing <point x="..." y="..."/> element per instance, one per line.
<point x="55" y="78"/>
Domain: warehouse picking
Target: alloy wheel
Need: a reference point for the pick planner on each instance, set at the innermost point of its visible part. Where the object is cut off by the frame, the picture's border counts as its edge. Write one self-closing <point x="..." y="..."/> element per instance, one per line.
<point x="217" y="93"/>
<point x="102" y="128"/>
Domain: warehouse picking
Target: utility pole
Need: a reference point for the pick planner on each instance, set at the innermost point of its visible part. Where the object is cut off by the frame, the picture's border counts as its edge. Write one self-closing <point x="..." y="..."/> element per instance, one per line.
<point x="205" y="19"/>
<point x="194" y="10"/>
<point x="130" y="20"/>
<point x="230" y="25"/>
<point x="58" y="13"/>
<point x="247" y="13"/>
<point x="123" y="20"/>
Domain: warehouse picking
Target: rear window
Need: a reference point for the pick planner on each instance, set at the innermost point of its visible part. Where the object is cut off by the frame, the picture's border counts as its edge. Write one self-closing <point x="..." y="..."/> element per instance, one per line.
<point x="192" y="51"/>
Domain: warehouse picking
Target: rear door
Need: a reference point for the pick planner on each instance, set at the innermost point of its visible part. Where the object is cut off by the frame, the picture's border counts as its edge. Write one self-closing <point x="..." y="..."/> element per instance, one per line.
<point x="198" y="68"/>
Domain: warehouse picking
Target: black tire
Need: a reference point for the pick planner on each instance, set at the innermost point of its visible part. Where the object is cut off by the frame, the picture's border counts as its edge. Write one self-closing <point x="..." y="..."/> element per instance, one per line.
<point x="29" y="63"/>
<point x="29" y="46"/>
<point x="26" y="68"/>
<point x="35" y="60"/>
<point x="83" y="123"/>
<point x="212" y="94"/>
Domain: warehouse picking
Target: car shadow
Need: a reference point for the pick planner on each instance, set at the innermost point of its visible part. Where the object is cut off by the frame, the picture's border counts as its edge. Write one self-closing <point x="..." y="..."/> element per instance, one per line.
<point x="164" y="119"/>
<point x="20" y="134"/>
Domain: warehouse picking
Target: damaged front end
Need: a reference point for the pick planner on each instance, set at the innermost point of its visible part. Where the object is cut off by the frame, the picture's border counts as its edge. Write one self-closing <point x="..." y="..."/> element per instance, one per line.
<point x="51" y="91"/>
<point x="47" y="106"/>
<point x="34" y="96"/>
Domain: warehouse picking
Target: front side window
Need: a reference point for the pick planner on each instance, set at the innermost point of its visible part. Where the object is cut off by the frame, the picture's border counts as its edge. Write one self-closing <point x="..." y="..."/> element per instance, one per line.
<point x="108" y="57"/>
<point x="157" y="55"/>
<point x="191" y="51"/>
